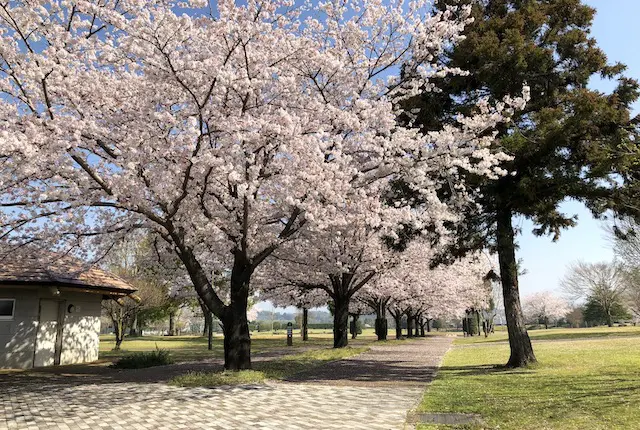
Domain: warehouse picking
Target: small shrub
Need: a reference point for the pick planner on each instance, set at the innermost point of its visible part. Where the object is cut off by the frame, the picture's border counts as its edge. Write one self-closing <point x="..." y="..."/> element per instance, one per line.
<point x="140" y="360"/>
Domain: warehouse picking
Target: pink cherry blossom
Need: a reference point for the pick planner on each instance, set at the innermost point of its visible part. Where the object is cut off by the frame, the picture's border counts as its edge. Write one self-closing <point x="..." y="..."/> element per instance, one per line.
<point x="229" y="137"/>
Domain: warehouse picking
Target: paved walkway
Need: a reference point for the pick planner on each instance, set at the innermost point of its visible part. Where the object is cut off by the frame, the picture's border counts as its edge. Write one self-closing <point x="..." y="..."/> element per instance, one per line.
<point x="410" y="364"/>
<point x="372" y="391"/>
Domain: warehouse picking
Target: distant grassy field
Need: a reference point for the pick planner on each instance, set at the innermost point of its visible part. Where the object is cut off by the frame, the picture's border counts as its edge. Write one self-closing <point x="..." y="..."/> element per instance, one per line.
<point x="585" y="379"/>
<point x="192" y="348"/>
<point x="557" y="333"/>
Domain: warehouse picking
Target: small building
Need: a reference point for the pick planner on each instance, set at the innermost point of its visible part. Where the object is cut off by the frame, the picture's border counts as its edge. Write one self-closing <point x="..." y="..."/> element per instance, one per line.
<point x="50" y="309"/>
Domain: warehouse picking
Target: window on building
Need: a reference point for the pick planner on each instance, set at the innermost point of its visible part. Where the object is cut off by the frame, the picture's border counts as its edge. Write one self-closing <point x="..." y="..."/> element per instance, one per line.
<point x="7" y="307"/>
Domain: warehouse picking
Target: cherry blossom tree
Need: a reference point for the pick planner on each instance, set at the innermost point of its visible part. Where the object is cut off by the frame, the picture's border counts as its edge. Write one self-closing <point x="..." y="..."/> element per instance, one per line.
<point x="282" y="293"/>
<point x="252" y="314"/>
<point x="544" y="306"/>
<point x="412" y="288"/>
<point x="377" y="294"/>
<point x="226" y="135"/>
<point x="447" y="291"/>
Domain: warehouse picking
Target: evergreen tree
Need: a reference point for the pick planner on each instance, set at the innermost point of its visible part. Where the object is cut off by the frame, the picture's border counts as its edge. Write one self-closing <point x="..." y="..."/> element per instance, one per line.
<point x="595" y="313"/>
<point x="569" y="141"/>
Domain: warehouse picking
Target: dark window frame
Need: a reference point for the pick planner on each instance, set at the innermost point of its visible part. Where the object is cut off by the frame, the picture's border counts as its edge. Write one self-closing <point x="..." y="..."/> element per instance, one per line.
<point x="13" y="309"/>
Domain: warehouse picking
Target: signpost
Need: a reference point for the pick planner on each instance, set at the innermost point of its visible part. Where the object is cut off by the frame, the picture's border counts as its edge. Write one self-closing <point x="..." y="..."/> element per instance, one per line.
<point x="289" y="334"/>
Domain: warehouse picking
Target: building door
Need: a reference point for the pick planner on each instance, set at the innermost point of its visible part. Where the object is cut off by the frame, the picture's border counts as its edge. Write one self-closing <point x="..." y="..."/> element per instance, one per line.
<point x="49" y="336"/>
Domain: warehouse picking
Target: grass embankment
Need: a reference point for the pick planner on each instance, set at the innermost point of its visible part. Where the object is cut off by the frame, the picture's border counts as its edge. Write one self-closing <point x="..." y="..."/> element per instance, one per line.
<point x="585" y="379"/>
<point x="276" y="369"/>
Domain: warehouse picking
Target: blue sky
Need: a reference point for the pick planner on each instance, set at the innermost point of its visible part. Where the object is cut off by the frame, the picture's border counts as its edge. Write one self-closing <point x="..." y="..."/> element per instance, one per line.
<point x="617" y="31"/>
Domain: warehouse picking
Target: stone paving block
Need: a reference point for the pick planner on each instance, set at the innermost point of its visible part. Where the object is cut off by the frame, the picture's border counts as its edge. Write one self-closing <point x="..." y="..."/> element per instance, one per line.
<point x="382" y="384"/>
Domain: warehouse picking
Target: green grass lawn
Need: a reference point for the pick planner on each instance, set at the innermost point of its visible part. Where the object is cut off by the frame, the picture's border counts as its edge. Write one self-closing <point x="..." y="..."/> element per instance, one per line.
<point x="276" y="369"/>
<point x="194" y="348"/>
<point x="585" y="379"/>
<point x="559" y="333"/>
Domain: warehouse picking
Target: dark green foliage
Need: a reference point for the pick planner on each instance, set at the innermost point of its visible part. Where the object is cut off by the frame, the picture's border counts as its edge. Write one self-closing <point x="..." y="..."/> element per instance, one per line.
<point x="595" y="314"/>
<point x="357" y="327"/>
<point x="140" y="360"/>
<point x="569" y="141"/>
<point x="472" y="322"/>
<point x="321" y="326"/>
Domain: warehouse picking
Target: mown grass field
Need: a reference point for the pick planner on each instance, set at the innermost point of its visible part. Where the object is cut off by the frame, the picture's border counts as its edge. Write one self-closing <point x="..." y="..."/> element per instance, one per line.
<point x="585" y="379"/>
<point x="557" y="334"/>
<point x="194" y="348"/>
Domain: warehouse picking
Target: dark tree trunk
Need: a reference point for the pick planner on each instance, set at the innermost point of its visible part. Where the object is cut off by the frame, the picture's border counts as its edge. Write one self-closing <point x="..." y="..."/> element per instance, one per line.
<point x="207" y="317"/>
<point x="119" y="339"/>
<point x="519" y="342"/>
<point x="381" y="320"/>
<point x="340" y="320"/>
<point x="118" y="330"/>
<point x="133" y="331"/>
<point x="419" y="327"/>
<point x="382" y="329"/>
<point x="237" y="342"/>
<point x="305" y="324"/>
<point x="428" y="325"/>
<point x="397" y="318"/>
<point x="172" y="323"/>
<point x="205" y="325"/>
<point x="354" y="326"/>
<point x="233" y="317"/>
<point x="208" y="324"/>
<point x="209" y="321"/>
<point x="409" y="324"/>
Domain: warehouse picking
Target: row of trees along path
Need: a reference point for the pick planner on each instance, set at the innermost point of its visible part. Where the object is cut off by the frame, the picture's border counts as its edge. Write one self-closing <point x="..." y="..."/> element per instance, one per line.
<point x="243" y="136"/>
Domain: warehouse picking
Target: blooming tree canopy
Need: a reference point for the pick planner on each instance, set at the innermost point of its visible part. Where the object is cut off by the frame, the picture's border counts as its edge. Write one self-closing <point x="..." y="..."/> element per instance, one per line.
<point x="544" y="306"/>
<point x="413" y="288"/>
<point x="227" y="135"/>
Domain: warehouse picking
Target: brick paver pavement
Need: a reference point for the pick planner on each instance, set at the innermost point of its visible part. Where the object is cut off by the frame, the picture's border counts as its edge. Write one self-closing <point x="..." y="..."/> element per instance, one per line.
<point x="372" y="391"/>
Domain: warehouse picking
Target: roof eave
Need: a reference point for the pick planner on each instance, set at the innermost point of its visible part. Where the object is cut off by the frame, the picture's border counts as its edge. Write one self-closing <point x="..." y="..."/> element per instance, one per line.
<point x="75" y="285"/>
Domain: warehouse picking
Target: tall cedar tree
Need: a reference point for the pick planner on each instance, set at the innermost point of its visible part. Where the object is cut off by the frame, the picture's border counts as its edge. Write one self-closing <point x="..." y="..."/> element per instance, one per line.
<point x="565" y="144"/>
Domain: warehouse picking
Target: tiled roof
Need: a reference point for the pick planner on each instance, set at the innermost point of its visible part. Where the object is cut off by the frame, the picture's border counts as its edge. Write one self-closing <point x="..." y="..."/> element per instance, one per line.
<point x="42" y="267"/>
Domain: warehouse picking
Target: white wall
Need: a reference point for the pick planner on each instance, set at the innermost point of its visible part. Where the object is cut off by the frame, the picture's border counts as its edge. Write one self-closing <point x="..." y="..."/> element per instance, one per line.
<point x="18" y="336"/>
<point x="80" y="341"/>
<point x="80" y="335"/>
